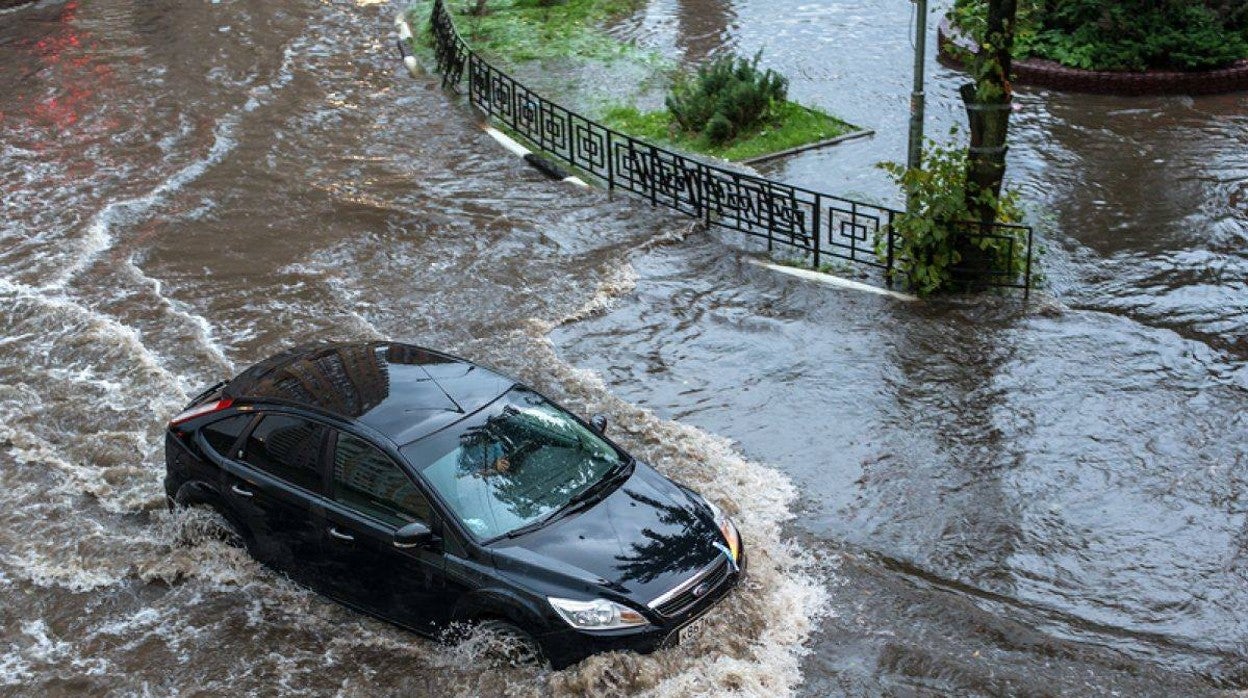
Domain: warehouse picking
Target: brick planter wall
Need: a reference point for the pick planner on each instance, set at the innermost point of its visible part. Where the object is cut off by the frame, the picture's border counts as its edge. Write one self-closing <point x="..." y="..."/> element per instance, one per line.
<point x="1046" y="73"/>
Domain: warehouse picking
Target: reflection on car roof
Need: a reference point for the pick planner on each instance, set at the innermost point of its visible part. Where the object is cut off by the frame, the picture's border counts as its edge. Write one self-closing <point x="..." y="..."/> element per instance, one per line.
<point x="401" y="390"/>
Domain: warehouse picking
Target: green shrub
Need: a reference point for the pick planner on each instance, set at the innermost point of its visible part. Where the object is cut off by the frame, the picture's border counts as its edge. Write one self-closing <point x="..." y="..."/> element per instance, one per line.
<point x="1125" y="35"/>
<point x="926" y="241"/>
<point x="726" y="97"/>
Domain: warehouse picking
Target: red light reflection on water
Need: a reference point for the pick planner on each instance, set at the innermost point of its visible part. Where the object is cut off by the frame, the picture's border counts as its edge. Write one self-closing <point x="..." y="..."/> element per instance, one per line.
<point x="70" y="76"/>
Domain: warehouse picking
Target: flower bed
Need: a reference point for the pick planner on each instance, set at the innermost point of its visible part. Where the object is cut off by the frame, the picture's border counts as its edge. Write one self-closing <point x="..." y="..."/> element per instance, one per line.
<point x="1051" y="74"/>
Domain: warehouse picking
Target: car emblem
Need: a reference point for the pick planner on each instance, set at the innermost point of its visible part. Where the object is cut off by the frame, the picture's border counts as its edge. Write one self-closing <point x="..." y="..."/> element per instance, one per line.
<point x="700" y="590"/>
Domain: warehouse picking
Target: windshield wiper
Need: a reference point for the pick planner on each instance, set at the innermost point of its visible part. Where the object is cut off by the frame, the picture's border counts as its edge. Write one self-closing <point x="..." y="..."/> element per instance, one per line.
<point x="515" y="533"/>
<point x="618" y="472"/>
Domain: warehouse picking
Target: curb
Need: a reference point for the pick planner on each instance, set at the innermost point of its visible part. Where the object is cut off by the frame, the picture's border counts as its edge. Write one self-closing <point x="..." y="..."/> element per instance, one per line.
<point x="405" y="35"/>
<point x="16" y="8"/>
<point x="1051" y="74"/>
<point x="534" y="160"/>
<point x="830" y="280"/>
<point x="864" y="133"/>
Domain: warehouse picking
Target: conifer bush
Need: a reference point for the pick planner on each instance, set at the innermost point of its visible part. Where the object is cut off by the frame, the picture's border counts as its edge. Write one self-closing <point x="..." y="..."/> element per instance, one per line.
<point x="726" y="97"/>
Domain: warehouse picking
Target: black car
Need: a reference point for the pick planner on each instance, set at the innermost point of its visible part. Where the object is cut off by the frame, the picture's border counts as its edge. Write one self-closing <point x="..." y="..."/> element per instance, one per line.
<point x="429" y="491"/>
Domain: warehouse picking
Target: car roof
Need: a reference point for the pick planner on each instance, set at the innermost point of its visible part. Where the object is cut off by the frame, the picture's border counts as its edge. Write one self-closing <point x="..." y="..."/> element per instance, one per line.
<point x="401" y="390"/>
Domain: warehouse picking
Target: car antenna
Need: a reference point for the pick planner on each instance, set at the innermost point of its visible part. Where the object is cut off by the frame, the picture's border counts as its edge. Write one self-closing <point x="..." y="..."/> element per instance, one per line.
<point x="458" y="407"/>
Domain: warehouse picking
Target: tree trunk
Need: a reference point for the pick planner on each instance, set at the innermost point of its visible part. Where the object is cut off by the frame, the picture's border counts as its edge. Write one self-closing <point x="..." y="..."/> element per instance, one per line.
<point x="987" y="103"/>
<point x="479" y="10"/>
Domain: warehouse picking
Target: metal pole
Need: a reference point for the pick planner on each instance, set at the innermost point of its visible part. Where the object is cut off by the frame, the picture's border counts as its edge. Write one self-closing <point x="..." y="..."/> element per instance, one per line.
<point x="914" y="158"/>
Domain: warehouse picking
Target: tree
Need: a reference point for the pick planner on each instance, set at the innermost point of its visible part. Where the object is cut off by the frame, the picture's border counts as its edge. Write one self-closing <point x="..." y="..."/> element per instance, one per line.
<point x="943" y="241"/>
<point x="988" y="103"/>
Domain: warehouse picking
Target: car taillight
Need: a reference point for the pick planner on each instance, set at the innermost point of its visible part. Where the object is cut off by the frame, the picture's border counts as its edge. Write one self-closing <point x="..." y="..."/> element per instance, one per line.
<point x="201" y="410"/>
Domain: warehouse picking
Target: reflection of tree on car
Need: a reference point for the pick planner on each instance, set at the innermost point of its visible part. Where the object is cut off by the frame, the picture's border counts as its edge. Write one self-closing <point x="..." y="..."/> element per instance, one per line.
<point x="661" y="553"/>
<point x="531" y="459"/>
<point x="525" y="460"/>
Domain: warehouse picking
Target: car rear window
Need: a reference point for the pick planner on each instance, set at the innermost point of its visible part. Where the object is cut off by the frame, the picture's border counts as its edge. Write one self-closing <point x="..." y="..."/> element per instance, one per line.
<point x="222" y="434"/>
<point x="289" y="448"/>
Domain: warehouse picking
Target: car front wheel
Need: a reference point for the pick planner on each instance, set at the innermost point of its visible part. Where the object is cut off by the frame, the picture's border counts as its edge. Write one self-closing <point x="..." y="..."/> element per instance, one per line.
<point x="506" y="642"/>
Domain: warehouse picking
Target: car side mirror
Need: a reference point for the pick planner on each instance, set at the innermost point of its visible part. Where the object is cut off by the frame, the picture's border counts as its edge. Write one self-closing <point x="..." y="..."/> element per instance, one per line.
<point x="599" y="423"/>
<point x="414" y="535"/>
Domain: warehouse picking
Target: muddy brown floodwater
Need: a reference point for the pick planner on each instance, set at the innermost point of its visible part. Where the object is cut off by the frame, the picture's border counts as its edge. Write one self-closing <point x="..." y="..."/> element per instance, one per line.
<point x="973" y="497"/>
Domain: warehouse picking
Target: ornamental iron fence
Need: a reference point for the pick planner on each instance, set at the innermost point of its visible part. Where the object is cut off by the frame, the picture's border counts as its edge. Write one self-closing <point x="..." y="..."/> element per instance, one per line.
<point x="815" y="224"/>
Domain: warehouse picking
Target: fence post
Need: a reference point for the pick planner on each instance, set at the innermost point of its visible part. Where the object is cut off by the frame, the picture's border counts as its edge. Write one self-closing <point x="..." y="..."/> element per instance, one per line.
<point x="654" y="178"/>
<point x="707" y="188"/>
<point x="888" y="265"/>
<point x="1027" y="271"/>
<point x="770" y="201"/>
<point x="610" y="155"/>
<point x="472" y="80"/>
<point x="816" y="233"/>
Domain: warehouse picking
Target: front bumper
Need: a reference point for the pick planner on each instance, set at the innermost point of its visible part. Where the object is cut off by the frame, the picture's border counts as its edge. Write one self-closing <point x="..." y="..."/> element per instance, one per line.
<point x="566" y="646"/>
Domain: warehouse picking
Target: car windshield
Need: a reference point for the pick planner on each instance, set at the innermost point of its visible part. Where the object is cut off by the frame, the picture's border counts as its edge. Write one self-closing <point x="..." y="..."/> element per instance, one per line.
<point x="519" y="461"/>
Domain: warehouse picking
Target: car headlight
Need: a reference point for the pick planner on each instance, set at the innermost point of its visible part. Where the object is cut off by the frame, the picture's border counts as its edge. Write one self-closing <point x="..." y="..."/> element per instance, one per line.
<point x="598" y="614"/>
<point x="731" y="536"/>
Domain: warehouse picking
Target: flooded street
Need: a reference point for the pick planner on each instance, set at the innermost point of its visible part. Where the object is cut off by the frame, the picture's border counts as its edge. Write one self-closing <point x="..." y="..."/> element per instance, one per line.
<point x="1026" y="499"/>
<point x="980" y="497"/>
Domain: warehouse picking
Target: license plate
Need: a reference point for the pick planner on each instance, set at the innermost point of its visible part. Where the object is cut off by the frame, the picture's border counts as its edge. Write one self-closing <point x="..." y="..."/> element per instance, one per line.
<point x="697" y="625"/>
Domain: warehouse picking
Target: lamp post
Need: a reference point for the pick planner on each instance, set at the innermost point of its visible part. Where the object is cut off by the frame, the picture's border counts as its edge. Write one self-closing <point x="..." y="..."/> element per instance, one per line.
<point x="914" y="156"/>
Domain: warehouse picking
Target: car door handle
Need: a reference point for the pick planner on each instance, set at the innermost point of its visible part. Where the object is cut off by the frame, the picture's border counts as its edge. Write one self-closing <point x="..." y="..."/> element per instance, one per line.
<point x="339" y="534"/>
<point x="241" y="492"/>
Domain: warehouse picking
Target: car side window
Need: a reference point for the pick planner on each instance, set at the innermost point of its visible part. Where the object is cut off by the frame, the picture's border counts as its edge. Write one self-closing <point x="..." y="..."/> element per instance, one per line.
<point x="289" y="448"/>
<point x="222" y="434"/>
<point x="366" y="480"/>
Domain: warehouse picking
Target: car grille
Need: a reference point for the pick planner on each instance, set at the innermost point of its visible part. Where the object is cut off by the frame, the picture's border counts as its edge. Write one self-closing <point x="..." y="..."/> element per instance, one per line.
<point x="707" y="582"/>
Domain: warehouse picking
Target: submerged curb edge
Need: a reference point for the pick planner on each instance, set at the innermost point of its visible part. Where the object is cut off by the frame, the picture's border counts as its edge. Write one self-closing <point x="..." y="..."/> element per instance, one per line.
<point x="532" y="159"/>
<point x="832" y="280"/>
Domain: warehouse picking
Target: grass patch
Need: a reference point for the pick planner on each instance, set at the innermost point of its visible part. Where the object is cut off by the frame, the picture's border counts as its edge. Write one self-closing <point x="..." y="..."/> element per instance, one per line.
<point x="793" y="125"/>
<point x="526" y="30"/>
<point x="517" y="31"/>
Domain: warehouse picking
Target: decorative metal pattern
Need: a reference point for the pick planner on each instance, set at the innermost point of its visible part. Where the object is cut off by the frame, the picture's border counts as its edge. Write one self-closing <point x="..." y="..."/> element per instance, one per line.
<point x="812" y="223"/>
<point x="450" y="50"/>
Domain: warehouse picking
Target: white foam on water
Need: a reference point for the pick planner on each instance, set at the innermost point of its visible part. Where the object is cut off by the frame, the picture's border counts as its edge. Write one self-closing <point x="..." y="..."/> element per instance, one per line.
<point x="99" y="237"/>
<point x="15" y="670"/>
<point x="19" y="8"/>
<point x="116" y="374"/>
<point x="66" y="569"/>
<point x="620" y="280"/>
<point x="44" y="648"/>
<point x="203" y="331"/>
<point x="166" y="627"/>
<point x="83" y="319"/>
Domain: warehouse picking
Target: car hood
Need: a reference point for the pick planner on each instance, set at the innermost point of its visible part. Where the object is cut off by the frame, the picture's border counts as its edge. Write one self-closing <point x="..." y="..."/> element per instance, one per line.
<point x="642" y="540"/>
